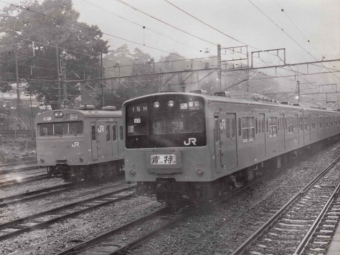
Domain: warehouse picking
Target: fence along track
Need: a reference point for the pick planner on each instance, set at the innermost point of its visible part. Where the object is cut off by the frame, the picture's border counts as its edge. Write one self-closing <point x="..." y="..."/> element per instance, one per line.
<point x="284" y="231"/>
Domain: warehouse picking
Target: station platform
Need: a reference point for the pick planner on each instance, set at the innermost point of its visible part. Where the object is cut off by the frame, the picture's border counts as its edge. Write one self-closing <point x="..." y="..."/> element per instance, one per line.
<point x="334" y="248"/>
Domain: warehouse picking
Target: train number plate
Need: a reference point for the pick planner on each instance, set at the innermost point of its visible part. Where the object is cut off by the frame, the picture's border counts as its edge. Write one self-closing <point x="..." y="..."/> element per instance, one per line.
<point x="163" y="159"/>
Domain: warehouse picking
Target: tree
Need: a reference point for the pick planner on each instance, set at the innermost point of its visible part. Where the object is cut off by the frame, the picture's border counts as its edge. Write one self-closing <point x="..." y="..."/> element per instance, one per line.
<point x="35" y="37"/>
<point x="121" y="63"/>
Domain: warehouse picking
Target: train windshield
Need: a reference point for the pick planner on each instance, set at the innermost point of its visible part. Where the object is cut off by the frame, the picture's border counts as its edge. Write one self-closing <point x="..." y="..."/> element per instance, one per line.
<point x="153" y="126"/>
<point x="61" y="128"/>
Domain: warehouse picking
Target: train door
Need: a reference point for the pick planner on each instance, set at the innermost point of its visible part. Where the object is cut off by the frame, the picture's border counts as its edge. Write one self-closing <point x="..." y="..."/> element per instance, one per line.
<point x="282" y="133"/>
<point x="300" y="130"/>
<point x="94" y="146"/>
<point x="306" y="124"/>
<point x="102" y="143"/>
<point x="114" y="139"/>
<point x="230" y="145"/>
<point x="261" y="136"/>
<point x="217" y="141"/>
<point x="121" y="144"/>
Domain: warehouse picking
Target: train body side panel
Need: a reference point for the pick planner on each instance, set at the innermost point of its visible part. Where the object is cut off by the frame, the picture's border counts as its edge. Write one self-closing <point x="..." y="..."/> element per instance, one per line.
<point x="93" y="146"/>
<point x="260" y="132"/>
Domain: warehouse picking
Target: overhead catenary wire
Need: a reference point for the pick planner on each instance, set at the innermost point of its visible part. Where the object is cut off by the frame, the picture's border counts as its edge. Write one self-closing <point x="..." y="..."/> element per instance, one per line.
<point x="285" y="32"/>
<point x="284" y="11"/>
<point x="85" y="27"/>
<point x="153" y="17"/>
<point x="140" y="25"/>
<point x="229" y="36"/>
<point x="292" y="70"/>
<point x="208" y="25"/>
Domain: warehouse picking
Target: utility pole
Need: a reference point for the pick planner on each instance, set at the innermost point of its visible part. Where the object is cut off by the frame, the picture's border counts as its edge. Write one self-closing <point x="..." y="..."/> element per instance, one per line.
<point x="63" y="78"/>
<point x="17" y="78"/>
<point x="101" y="76"/>
<point x="58" y="70"/>
<point x="219" y="72"/>
<point x="298" y="89"/>
<point x="247" y="71"/>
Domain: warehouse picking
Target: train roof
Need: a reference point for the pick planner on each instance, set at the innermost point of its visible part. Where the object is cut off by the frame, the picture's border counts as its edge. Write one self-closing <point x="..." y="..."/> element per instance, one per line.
<point x="256" y="101"/>
<point x="85" y="113"/>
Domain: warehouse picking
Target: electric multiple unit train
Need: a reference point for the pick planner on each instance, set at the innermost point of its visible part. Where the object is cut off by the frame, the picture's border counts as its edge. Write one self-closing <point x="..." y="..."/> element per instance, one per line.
<point x="189" y="146"/>
<point x="81" y="144"/>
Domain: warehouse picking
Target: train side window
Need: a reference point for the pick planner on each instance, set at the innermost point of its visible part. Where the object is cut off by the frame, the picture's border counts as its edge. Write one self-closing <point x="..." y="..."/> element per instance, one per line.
<point x="228" y="127"/>
<point x="121" y="134"/>
<point x="233" y="127"/>
<point x="114" y="133"/>
<point x="248" y="129"/>
<point x="289" y="123"/>
<point x="260" y="125"/>
<point x="108" y="138"/>
<point x="273" y="126"/>
<point x="256" y="126"/>
<point x="45" y="129"/>
<point x="239" y="126"/>
<point x="93" y="132"/>
<point x="76" y="128"/>
<point x="284" y="123"/>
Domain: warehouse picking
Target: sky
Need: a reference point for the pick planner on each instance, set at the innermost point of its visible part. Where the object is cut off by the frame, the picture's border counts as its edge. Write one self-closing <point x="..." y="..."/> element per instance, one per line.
<point x="245" y="20"/>
<point x="315" y="20"/>
<point x="260" y="24"/>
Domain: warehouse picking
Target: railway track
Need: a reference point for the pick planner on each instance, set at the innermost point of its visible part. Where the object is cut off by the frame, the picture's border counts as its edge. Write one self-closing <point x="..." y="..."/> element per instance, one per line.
<point x="17" y="164"/>
<point x="17" y="169"/>
<point x="38" y="221"/>
<point x="107" y="243"/>
<point x="37" y="194"/>
<point x="290" y="230"/>
<point x="112" y="242"/>
<point x="23" y="180"/>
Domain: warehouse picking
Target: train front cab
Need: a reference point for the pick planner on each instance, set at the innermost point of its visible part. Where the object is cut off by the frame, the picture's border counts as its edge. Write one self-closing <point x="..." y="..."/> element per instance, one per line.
<point x="166" y="143"/>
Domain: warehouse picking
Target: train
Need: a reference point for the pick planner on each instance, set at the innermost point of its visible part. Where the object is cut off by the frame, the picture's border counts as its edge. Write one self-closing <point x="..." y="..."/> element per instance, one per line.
<point x="84" y="144"/>
<point x="192" y="146"/>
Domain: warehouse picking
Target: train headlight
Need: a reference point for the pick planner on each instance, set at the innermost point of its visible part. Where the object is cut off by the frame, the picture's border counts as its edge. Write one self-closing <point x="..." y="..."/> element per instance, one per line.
<point x="156" y="104"/>
<point x="200" y="172"/>
<point x="58" y="114"/>
<point x="132" y="172"/>
<point x="171" y="103"/>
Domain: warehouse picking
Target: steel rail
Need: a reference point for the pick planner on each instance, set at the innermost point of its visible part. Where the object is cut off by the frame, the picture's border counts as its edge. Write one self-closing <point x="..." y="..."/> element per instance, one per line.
<point x="23" y="181"/>
<point x="85" y="245"/>
<point x="241" y="249"/>
<point x="17" y="163"/>
<point x="93" y="242"/>
<point x="306" y="240"/>
<point x="18" y="170"/>
<point x="22" y="229"/>
<point x="24" y="197"/>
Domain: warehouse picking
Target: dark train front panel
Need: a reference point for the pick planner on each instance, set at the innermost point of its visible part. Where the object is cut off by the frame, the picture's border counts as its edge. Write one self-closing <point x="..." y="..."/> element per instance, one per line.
<point x="80" y="144"/>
